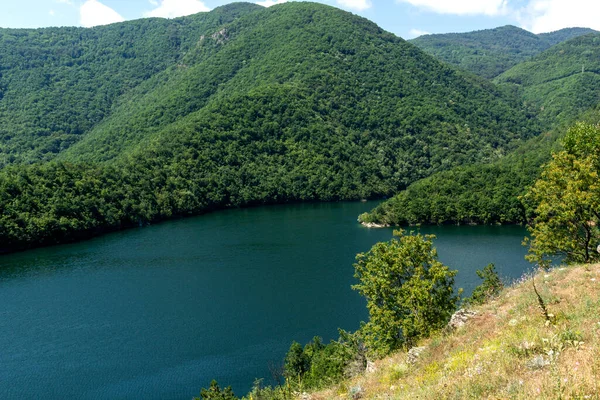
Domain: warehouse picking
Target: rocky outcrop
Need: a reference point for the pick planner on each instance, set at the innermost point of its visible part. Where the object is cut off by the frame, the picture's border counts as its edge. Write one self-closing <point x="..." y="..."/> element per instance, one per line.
<point x="414" y="354"/>
<point x="370" y="367"/>
<point x="357" y="392"/>
<point x="460" y="318"/>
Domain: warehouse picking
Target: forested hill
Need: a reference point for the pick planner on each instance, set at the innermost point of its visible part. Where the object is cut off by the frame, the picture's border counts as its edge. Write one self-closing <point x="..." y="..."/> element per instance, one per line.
<point x="299" y="101"/>
<point x="490" y="52"/>
<point x="345" y="70"/>
<point x="56" y="84"/>
<point x="561" y="82"/>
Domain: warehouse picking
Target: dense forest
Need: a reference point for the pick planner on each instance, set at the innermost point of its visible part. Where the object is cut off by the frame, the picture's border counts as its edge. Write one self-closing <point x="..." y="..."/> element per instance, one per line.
<point x="561" y="82"/>
<point x="490" y="52"/>
<point x="56" y="84"/>
<point x="473" y="194"/>
<point x="563" y="85"/>
<point x="250" y="105"/>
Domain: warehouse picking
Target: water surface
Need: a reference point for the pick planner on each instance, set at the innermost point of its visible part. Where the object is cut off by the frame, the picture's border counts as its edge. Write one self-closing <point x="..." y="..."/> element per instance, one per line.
<point x="158" y="312"/>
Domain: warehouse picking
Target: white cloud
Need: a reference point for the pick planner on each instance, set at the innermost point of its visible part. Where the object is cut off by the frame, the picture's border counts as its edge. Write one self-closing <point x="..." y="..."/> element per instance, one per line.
<point x="462" y="7"/>
<point x="551" y="15"/>
<point x="69" y="2"/>
<point x="52" y="13"/>
<point x="269" y="3"/>
<point x="413" y="33"/>
<point x="176" y="8"/>
<point x="94" y="13"/>
<point x="358" y="5"/>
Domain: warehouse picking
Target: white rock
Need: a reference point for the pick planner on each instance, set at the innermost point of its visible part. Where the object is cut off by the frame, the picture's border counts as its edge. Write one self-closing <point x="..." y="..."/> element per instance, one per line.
<point x="460" y="318"/>
<point x="414" y="354"/>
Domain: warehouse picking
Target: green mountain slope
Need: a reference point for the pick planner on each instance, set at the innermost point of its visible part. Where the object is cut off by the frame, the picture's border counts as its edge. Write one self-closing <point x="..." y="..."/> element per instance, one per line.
<point x="563" y="81"/>
<point x="350" y="75"/>
<point x="562" y="35"/>
<point x="490" y="52"/>
<point x="552" y="82"/>
<point x="475" y="194"/>
<point x="56" y="84"/>
<point x="296" y="102"/>
<point x="471" y="194"/>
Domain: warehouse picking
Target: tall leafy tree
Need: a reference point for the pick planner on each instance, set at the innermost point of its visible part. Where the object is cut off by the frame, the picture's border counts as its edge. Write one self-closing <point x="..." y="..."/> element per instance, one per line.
<point x="567" y="201"/>
<point x="409" y="292"/>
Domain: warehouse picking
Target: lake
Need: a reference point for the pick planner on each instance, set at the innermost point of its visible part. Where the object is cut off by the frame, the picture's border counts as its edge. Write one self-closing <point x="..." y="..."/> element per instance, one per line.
<point x="158" y="312"/>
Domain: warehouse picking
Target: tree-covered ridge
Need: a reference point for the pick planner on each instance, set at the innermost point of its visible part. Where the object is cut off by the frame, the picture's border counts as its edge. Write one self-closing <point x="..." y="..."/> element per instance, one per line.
<point x="562" y="35"/>
<point x="472" y="194"/>
<point x="490" y="52"/>
<point x="475" y="194"/>
<point x="350" y="76"/>
<point x="296" y="102"/>
<point x="562" y="82"/>
<point x="56" y="84"/>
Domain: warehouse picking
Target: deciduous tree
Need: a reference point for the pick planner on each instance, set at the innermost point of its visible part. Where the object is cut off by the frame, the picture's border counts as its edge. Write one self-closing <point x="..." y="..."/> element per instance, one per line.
<point x="567" y="201"/>
<point x="409" y="292"/>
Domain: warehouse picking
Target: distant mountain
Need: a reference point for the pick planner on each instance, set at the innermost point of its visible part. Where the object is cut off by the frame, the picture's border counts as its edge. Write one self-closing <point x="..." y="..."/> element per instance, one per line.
<point x="562" y="35"/>
<point x="150" y="119"/>
<point x="563" y="81"/>
<point x="490" y="52"/>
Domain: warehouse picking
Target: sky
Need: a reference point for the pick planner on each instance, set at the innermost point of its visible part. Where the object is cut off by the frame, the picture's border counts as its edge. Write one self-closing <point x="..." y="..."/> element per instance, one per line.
<point x="405" y="18"/>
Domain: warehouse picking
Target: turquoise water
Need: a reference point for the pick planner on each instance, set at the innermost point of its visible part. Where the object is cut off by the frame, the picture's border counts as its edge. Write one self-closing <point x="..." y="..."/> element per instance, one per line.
<point x="158" y="312"/>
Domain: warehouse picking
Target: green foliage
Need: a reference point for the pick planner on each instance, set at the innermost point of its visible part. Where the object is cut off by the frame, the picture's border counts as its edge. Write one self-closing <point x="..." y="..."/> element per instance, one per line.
<point x="214" y="392"/>
<point x="260" y="392"/>
<point x="562" y="35"/>
<point x="327" y="363"/>
<point x="562" y="82"/>
<point x="409" y="292"/>
<point x="296" y="362"/>
<point x="297" y="102"/>
<point x="566" y="199"/>
<point x="478" y="194"/>
<point x="489" y="288"/>
<point x="57" y="84"/>
<point x="474" y="194"/>
<point x="490" y="52"/>
<point x="318" y="365"/>
<point x="490" y="193"/>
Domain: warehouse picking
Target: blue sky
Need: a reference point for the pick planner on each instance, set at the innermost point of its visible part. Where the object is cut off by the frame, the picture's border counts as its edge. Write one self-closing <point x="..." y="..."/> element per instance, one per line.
<point x="405" y="18"/>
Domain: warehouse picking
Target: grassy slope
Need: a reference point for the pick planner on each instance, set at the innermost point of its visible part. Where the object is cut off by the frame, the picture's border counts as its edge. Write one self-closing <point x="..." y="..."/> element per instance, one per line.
<point x="490" y="356"/>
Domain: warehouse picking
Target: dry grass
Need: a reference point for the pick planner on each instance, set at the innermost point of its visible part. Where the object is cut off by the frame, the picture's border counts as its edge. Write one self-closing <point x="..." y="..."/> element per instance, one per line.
<point x="506" y="351"/>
